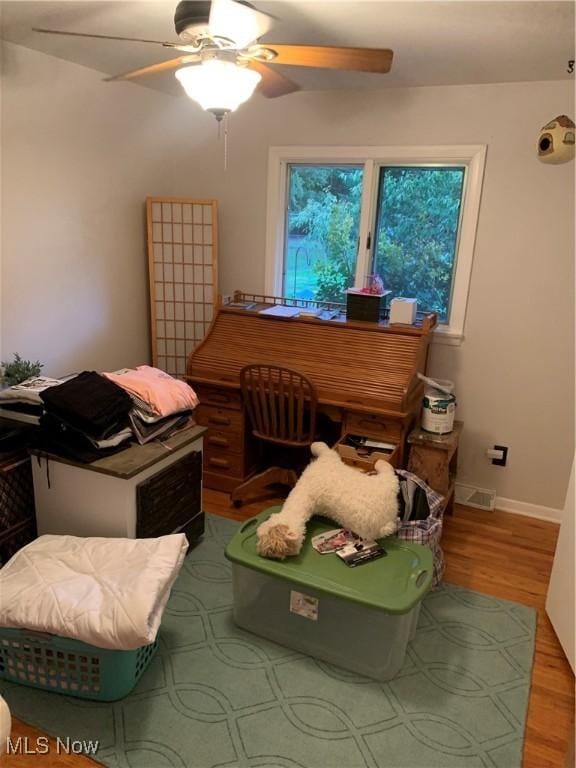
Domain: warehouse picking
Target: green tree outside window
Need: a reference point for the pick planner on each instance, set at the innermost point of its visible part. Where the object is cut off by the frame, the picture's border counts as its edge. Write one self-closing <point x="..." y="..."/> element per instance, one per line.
<point x="416" y="232"/>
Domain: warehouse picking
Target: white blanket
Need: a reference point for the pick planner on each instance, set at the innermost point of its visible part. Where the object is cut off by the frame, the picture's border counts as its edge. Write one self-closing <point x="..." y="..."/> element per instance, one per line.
<point x="110" y="593"/>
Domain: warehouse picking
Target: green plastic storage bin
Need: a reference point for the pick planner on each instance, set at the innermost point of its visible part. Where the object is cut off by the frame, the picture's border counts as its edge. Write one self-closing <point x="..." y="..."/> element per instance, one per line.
<point x="358" y="618"/>
<point x="71" y="667"/>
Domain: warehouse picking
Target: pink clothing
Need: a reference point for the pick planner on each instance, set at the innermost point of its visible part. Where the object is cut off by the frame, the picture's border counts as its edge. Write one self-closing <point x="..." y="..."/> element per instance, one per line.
<point x="163" y="393"/>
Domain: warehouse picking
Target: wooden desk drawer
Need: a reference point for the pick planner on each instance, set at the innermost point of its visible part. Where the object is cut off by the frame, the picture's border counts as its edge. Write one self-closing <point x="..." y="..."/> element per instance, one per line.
<point x="226" y="441"/>
<point x="355" y="458"/>
<point x="219" y="418"/>
<point x="225" y="398"/>
<point x="373" y="426"/>
<point x="223" y="462"/>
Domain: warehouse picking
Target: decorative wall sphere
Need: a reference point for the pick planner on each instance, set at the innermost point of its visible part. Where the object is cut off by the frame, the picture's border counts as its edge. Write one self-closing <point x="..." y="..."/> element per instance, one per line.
<point x="556" y="141"/>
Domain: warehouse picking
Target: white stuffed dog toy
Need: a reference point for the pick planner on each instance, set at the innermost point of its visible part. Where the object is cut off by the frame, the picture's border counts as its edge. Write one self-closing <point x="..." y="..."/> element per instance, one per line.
<point x="365" y="504"/>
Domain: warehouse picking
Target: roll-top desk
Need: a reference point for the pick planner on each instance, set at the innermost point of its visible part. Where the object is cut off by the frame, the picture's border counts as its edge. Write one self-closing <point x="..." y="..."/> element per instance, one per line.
<point x="365" y="375"/>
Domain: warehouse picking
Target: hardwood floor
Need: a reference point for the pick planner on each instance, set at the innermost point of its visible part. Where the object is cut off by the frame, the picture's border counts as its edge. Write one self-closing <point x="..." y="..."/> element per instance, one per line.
<point x="51" y="758"/>
<point x="497" y="553"/>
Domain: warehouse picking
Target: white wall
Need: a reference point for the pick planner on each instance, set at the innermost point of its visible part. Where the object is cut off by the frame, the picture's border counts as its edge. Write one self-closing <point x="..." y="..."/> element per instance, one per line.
<point x="514" y="372"/>
<point x="79" y="158"/>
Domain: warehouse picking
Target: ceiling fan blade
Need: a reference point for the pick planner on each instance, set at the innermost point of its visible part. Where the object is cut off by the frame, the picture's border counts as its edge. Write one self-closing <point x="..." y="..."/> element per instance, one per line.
<point x="153" y="69"/>
<point x="333" y="57"/>
<point x="273" y="84"/>
<point x="103" y="37"/>
<point x="237" y="22"/>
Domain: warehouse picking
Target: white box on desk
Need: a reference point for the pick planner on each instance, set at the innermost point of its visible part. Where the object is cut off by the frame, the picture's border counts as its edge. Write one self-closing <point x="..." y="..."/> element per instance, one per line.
<point x="403" y="310"/>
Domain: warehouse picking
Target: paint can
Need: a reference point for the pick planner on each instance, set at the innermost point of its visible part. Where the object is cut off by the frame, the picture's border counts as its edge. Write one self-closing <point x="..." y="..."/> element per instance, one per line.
<point x="438" y="408"/>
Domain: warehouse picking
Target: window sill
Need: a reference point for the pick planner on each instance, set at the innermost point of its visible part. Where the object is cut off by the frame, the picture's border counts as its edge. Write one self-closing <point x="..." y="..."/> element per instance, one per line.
<point x="443" y="335"/>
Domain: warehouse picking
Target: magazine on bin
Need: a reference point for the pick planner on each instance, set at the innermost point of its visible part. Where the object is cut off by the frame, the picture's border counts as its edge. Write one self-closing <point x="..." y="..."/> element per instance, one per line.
<point x="332" y="541"/>
<point x="350" y="547"/>
<point x="361" y="552"/>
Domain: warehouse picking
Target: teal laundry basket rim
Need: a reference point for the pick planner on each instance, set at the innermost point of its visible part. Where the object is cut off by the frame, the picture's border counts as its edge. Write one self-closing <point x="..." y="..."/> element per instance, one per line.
<point x="70" y="667"/>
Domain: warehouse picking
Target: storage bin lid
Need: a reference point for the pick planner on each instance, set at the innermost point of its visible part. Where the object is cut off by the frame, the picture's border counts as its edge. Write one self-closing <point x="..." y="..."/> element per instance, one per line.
<point x="394" y="583"/>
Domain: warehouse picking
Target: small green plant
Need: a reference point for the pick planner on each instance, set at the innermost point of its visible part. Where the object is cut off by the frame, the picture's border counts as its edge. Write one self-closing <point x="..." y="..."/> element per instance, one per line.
<point x="19" y="370"/>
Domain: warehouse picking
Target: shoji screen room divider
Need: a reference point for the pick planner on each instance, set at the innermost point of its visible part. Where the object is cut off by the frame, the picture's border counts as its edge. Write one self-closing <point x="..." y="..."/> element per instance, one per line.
<point x="183" y="259"/>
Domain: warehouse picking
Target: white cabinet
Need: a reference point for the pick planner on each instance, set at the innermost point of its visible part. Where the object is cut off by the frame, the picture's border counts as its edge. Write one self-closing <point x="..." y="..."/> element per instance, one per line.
<point x="148" y="490"/>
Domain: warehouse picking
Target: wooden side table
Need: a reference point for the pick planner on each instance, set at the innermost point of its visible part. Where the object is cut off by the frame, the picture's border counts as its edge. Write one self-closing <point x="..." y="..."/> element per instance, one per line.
<point x="434" y="458"/>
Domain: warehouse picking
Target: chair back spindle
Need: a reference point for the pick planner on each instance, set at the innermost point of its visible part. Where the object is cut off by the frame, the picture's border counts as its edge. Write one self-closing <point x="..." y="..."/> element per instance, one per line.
<point x="281" y="404"/>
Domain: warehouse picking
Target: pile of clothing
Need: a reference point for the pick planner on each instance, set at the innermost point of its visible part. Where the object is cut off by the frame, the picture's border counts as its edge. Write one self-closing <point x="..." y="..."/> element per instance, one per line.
<point x="85" y="418"/>
<point x="90" y="415"/>
<point x="161" y="404"/>
<point x="22" y="402"/>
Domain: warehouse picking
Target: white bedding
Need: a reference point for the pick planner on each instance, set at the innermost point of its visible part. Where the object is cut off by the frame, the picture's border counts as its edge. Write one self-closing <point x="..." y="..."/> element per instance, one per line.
<point x="110" y="593"/>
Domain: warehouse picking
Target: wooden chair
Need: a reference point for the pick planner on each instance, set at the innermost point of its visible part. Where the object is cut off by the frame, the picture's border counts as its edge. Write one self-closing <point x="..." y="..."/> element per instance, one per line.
<point x="281" y="405"/>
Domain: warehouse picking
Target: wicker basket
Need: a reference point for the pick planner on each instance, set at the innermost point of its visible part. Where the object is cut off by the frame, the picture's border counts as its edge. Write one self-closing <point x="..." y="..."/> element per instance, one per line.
<point x="17" y="514"/>
<point x="71" y="667"/>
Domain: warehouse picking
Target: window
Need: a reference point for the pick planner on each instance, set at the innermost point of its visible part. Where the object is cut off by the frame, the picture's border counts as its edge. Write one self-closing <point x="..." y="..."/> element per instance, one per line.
<point x="416" y="232"/>
<point x="407" y="214"/>
<point x="322" y="228"/>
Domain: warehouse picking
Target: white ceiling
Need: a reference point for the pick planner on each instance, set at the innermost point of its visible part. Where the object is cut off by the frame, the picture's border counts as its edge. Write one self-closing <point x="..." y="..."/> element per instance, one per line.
<point x="434" y="43"/>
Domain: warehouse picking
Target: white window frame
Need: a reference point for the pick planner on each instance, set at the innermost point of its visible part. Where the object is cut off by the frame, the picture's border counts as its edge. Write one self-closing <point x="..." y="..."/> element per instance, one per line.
<point x="472" y="157"/>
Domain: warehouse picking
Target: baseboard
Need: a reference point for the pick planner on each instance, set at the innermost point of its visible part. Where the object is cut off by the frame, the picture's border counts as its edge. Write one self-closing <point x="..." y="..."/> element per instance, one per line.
<point x="529" y="510"/>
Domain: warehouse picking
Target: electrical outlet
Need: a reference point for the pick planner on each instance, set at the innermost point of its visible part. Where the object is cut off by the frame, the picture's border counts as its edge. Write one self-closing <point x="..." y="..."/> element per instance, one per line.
<point x="501" y="462"/>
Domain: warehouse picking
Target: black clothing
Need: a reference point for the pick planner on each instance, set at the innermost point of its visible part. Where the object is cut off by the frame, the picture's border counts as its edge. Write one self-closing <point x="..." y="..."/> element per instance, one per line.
<point x="89" y="403"/>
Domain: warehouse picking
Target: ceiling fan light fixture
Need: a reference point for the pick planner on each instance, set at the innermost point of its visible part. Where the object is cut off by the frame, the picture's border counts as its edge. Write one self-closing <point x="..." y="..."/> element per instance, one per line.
<point x="237" y="21"/>
<point x="218" y="86"/>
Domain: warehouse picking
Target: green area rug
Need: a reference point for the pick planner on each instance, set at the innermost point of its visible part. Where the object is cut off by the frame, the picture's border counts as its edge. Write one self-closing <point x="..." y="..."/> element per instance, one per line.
<point x="215" y="696"/>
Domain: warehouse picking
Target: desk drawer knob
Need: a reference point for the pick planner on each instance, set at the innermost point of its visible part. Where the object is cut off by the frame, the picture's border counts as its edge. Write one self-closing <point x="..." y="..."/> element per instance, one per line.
<point x="223" y="463"/>
<point x="217" y="397"/>
<point x="220" y="441"/>
<point x="223" y="421"/>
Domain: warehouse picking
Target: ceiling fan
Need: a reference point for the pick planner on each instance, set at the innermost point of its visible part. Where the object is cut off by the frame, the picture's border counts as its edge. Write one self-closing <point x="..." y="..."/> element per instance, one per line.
<point x="222" y="62"/>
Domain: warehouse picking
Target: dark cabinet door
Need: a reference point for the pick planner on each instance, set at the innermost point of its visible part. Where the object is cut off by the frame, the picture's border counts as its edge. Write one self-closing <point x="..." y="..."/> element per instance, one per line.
<point x="17" y="514"/>
<point x="170" y="499"/>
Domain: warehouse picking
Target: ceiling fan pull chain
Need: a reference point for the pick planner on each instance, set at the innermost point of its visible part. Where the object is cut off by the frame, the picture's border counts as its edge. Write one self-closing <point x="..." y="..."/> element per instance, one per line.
<point x="223" y="129"/>
<point x="226" y="141"/>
